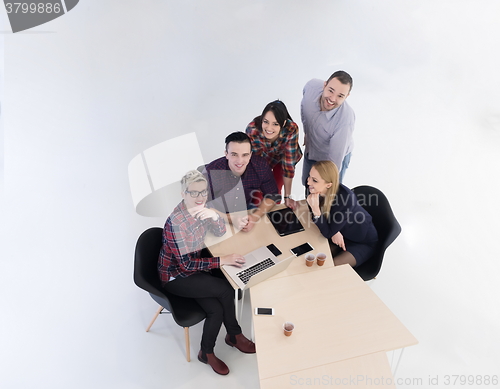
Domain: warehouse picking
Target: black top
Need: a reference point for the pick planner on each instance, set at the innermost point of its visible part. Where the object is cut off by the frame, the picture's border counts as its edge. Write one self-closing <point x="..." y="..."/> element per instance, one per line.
<point x="348" y="217"/>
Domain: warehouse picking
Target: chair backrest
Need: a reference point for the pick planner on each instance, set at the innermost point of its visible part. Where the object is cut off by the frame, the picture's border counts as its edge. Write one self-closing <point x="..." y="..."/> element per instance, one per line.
<point x="146" y="276"/>
<point x="388" y="228"/>
<point x="185" y="311"/>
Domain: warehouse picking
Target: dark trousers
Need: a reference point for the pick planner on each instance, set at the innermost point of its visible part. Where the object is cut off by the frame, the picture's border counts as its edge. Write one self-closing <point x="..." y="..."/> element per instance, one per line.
<point x="216" y="296"/>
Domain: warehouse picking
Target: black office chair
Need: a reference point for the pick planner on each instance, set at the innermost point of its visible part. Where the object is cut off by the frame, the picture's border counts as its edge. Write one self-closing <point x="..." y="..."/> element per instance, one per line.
<point x="186" y="312"/>
<point x="388" y="228"/>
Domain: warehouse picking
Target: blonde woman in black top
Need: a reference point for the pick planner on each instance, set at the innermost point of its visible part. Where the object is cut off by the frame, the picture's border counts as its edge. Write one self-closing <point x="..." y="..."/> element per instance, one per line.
<point x="339" y="216"/>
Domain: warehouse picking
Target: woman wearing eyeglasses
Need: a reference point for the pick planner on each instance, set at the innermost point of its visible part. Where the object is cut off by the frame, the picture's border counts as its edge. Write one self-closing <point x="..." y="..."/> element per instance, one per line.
<point x="275" y="137"/>
<point x="185" y="273"/>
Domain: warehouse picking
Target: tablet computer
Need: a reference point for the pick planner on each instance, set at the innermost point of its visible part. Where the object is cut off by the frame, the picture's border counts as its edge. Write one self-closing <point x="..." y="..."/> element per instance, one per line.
<point x="285" y="221"/>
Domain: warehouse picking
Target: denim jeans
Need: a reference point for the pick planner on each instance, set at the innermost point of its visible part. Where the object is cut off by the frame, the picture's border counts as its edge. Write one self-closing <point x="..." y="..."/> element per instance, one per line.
<point x="308" y="163"/>
<point x="345" y="165"/>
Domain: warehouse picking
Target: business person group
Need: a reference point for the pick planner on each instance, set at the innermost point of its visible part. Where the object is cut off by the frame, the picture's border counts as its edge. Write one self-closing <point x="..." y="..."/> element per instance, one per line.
<point x="257" y="165"/>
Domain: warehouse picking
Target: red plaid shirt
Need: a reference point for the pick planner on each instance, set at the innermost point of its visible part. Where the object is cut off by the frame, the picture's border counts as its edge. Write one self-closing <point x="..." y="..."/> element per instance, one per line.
<point x="285" y="149"/>
<point x="183" y="240"/>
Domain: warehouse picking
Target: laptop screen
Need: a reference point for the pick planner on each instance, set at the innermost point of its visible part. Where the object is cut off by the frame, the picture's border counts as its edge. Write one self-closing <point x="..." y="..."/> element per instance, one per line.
<point x="285" y="221"/>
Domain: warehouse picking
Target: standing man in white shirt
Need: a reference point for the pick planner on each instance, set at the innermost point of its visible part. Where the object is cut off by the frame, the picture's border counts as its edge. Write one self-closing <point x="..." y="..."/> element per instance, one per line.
<point x="328" y="122"/>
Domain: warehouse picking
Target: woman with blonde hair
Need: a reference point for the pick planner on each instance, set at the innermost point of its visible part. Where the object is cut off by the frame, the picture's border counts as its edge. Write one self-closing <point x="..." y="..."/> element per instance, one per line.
<point x="184" y="272"/>
<point x="339" y="216"/>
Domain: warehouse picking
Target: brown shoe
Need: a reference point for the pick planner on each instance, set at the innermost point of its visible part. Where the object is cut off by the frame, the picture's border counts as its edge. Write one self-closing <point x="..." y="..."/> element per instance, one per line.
<point x="241" y="343"/>
<point x="210" y="359"/>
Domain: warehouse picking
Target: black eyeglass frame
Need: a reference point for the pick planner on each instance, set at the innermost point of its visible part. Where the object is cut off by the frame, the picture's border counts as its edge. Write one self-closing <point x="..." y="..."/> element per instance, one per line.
<point x="194" y="193"/>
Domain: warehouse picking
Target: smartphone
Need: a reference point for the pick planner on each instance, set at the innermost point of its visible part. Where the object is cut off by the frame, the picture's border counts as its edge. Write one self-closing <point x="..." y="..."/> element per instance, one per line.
<point x="272" y="248"/>
<point x="264" y="311"/>
<point x="302" y="249"/>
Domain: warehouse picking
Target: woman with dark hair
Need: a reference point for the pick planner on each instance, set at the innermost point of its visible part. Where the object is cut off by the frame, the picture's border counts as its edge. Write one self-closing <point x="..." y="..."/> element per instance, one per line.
<point x="338" y="215"/>
<point x="185" y="273"/>
<point x="275" y="137"/>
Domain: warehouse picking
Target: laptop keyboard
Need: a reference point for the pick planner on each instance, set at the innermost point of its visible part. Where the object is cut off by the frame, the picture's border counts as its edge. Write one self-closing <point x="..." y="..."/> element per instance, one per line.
<point x="246" y="274"/>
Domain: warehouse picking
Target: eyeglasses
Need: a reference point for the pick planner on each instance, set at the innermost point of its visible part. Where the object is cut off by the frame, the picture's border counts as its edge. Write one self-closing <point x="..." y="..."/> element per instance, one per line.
<point x="195" y="193"/>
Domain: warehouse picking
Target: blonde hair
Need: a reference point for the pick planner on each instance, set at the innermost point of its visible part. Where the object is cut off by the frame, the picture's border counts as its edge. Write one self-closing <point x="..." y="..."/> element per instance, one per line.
<point x="328" y="171"/>
<point x="190" y="177"/>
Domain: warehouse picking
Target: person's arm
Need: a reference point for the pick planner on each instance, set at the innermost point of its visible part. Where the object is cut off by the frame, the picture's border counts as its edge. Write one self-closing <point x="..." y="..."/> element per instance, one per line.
<point x="265" y="206"/>
<point x="251" y="129"/>
<point x="237" y="219"/>
<point x="303" y="125"/>
<point x="179" y="239"/>
<point x="339" y="140"/>
<point x="261" y="171"/>
<point x="287" y="183"/>
<point x="289" y="202"/>
<point x="214" y="222"/>
<point x="338" y="239"/>
<point x="327" y="226"/>
<point x="303" y="106"/>
<point x="291" y="155"/>
<point x="224" y="216"/>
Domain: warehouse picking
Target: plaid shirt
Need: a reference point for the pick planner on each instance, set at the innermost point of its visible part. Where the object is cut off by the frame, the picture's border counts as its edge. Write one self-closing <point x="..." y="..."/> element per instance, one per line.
<point x="230" y="193"/>
<point x="183" y="239"/>
<point x="284" y="149"/>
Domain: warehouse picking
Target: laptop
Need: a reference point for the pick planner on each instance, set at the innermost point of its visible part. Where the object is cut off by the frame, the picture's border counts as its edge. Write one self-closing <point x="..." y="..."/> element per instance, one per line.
<point x="260" y="265"/>
<point x="285" y="221"/>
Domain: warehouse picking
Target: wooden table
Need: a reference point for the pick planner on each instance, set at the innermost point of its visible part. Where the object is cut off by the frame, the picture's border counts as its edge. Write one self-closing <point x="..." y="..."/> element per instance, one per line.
<point x="369" y="371"/>
<point x="342" y="329"/>
<point x="337" y="318"/>
<point x="263" y="234"/>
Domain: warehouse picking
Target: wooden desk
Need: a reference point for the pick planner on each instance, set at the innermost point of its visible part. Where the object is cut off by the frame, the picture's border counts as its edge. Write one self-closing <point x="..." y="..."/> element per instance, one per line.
<point x="263" y="234"/>
<point x="342" y="328"/>
<point x="369" y="371"/>
<point x="337" y="317"/>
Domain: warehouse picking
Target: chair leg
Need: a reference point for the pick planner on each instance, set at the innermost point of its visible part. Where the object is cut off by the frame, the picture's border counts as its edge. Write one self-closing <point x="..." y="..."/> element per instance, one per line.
<point x="236" y="303"/>
<point x="186" y="335"/>
<point x="154" y="318"/>
<point x="240" y="315"/>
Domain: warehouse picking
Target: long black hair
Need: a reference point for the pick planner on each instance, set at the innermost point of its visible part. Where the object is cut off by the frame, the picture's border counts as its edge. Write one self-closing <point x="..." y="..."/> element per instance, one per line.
<point x="278" y="108"/>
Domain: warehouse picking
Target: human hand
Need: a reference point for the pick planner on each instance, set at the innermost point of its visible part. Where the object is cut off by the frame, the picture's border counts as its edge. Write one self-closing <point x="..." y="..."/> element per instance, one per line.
<point x="232" y="260"/>
<point x="338" y="239"/>
<point x="313" y="201"/>
<point x="239" y="222"/>
<point x="291" y="203"/>
<point x="205" y="213"/>
<point x="251" y="220"/>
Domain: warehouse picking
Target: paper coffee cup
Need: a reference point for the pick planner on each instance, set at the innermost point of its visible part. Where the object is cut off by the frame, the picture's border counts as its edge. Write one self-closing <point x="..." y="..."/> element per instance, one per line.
<point x="321" y="257"/>
<point x="310" y="259"/>
<point x="288" y="328"/>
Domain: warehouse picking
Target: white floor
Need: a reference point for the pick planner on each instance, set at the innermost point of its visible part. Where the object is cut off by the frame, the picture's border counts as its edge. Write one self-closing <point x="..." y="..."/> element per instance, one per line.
<point x="84" y="94"/>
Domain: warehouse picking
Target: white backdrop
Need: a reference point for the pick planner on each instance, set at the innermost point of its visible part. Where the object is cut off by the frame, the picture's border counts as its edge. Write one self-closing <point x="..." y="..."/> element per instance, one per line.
<point x="87" y="92"/>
